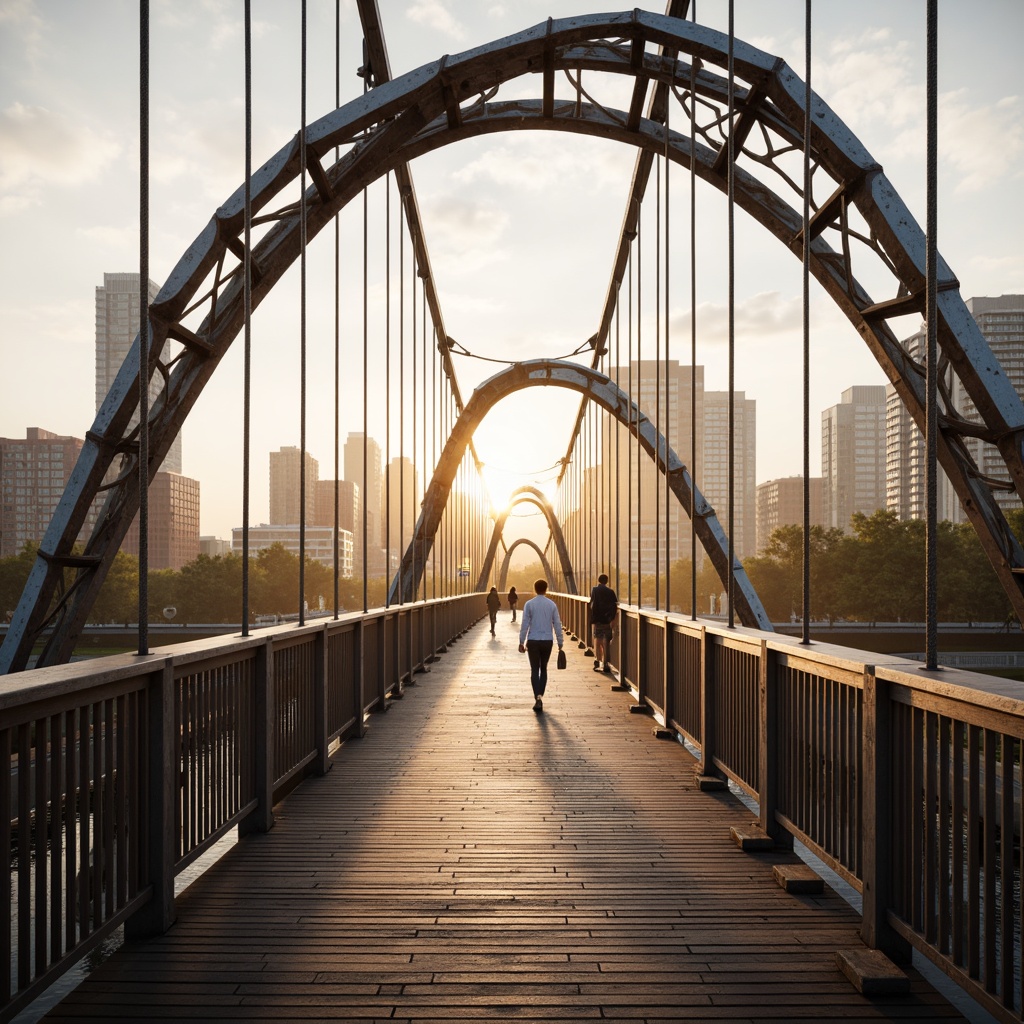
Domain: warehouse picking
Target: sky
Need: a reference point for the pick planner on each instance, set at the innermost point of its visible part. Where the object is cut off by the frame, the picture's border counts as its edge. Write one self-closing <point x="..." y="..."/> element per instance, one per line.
<point x="521" y="228"/>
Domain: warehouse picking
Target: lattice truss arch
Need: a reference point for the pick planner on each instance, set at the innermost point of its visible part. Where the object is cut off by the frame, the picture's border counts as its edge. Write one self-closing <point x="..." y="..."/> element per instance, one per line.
<point x="535" y="496"/>
<point x="860" y="229"/>
<point x="507" y="561"/>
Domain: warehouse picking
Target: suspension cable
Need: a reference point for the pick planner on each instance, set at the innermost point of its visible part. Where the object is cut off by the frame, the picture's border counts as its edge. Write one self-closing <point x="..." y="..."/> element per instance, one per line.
<point x="247" y="333"/>
<point x="336" y="539"/>
<point x="387" y="395"/>
<point x="629" y="439"/>
<point x="640" y="396"/>
<point x="657" y="378"/>
<point x="366" y="391"/>
<point x="401" y="393"/>
<point x="932" y="374"/>
<point x="731" y="143"/>
<point x="805" y="631"/>
<point x="144" y="332"/>
<point x="668" y="353"/>
<point x="302" y="330"/>
<point x="618" y="460"/>
<point x="693" y="326"/>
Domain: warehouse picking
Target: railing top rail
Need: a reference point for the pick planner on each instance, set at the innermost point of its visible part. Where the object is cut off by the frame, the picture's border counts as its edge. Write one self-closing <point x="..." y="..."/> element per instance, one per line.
<point x="961" y="686"/>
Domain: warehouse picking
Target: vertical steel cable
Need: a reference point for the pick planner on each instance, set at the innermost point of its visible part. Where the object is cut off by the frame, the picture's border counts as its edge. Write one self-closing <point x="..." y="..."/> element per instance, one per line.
<point x="639" y="402"/>
<point x="434" y="401"/>
<point x="387" y="390"/>
<point x="668" y="353"/>
<point x="401" y="394"/>
<point x="302" y="331"/>
<point x="805" y="631"/>
<point x="657" y="377"/>
<point x="731" y="142"/>
<point x="629" y="439"/>
<point x="337" y="330"/>
<point x="412" y="389"/>
<point x="423" y="574"/>
<point x="144" y="332"/>
<point x="932" y="376"/>
<point x="693" y="326"/>
<point x="366" y="390"/>
<point x="618" y="461"/>
<point x="247" y="334"/>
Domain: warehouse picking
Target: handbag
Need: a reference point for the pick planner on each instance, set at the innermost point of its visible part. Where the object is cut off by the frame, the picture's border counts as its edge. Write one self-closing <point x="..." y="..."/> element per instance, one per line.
<point x="560" y="663"/>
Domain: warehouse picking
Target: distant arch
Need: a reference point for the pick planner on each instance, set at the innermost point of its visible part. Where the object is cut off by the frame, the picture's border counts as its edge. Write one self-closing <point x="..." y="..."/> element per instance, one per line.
<point x="507" y="560"/>
<point x="537" y="497"/>
<point x="604" y="392"/>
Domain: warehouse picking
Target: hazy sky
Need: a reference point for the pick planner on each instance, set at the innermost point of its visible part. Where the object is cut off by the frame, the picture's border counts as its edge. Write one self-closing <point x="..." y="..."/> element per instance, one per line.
<point x="521" y="228"/>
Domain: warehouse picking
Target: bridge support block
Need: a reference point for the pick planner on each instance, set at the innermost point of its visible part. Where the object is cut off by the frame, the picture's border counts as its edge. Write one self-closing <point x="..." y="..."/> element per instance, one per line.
<point x="752" y="838"/>
<point x="641" y="709"/>
<point x="708" y="783"/>
<point x="871" y="972"/>
<point x="663" y="734"/>
<point x="800" y="879"/>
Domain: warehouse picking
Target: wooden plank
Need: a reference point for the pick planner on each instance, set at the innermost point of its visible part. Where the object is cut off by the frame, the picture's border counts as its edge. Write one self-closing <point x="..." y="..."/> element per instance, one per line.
<point x="468" y="859"/>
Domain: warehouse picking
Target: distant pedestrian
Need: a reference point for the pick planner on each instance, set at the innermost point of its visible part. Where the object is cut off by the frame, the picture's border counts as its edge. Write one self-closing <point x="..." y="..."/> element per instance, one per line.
<point x="513" y="600"/>
<point x="493" y="604"/>
<point x="604" y="606"/>
<point x="541" y="626"/>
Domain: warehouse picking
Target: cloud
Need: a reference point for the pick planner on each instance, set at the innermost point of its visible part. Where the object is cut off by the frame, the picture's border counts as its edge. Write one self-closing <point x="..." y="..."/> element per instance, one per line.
<point x="39" y="147"/>
<point x="468" y="228"/>
<point x="435" y="14"/>
<point x="761" y="318"/>
<point x="983" y="144"/>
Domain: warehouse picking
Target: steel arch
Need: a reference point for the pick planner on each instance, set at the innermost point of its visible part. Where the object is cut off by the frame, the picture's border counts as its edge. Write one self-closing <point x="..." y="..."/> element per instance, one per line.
<point x="853" y="203"/>
<point x="540" y="499"/>
<point x="603" y="391"/>
<point x="507" y="561"/>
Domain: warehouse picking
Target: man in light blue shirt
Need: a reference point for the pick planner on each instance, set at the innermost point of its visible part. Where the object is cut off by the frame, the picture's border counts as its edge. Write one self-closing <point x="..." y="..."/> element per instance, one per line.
<point x="541" y="626"/>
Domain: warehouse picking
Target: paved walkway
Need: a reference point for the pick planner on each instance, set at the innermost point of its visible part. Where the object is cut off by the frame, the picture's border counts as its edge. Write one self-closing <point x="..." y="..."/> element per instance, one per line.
<point x="472" y="860"/>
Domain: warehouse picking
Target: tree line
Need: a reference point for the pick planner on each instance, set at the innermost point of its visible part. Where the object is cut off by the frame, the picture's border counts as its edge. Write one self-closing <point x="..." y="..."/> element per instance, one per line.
<point x="874" y="573"/>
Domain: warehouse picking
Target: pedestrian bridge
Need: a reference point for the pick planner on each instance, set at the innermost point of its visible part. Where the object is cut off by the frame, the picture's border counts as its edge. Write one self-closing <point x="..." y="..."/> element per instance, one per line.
<point x="462" y="856"/>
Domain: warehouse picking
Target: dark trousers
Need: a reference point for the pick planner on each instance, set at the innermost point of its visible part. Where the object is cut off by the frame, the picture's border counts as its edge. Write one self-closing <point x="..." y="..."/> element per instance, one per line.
<point x="493" y="612"/>
<point x="539" y="651"/>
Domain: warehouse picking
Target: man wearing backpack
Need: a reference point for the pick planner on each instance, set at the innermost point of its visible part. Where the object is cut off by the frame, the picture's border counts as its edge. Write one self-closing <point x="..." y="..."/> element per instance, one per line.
<point x="604" y="606"/>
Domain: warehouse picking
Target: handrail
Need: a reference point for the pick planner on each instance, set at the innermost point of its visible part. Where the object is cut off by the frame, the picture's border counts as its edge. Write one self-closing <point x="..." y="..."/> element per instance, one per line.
<point x="124" y="770"/>
<point x="906" y="783"/>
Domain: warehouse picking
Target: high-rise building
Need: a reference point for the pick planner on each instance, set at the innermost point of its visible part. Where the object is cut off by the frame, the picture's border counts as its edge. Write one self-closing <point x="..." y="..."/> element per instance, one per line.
<point x="173" y="522"/>
<point x="1001" y="321"/>
<point x="118" y="315"/>
<point x="401" y="505"/>
<point x="906" y="456"/>
<point x="214" y="547"/>
<point x="713" y="480"/>
<point x="781" y="503"/>
<point x="664" y="392"/>
<point x="372" y="487"/>
<point x="853" y="456"/>
<point x="34" y="471"/>
<point x="286" y="487"/>
<point x="347" y="495"/>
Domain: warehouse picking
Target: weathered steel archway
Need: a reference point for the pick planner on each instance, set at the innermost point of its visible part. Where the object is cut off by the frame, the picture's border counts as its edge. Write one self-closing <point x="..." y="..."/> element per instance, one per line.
<point x="604" y="392"/>
<point x="507" y="561"/>
<point x="859" y="225"/>
<point x="540" y="499"/>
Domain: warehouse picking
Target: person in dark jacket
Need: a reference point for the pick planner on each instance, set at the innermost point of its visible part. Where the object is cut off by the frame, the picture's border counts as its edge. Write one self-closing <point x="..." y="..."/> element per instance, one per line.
<point x="513" y="600"/>
<point x="493" y="604"/>
<point x="604" y="606"/>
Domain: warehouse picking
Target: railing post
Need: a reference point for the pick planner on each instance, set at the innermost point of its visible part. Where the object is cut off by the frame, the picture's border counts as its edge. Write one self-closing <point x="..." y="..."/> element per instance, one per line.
<point x="321" y="648"/>
<point x="667" y="662"/>
<point x="262" y="819"/>
<point x="359" y="683"/>
<point x="163" y="784"/>
<point x="877" y="830"/>
<point x="623" y="650"/>
<point x="708" y="776"/>
<point x="769" y="743"/>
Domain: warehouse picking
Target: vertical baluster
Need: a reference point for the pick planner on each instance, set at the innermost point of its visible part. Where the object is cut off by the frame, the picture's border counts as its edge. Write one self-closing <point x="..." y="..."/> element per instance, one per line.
<point x="58" y="805"/>
<point x="917" y="812"/>
<point x="1006" y="915"/>
<point x="86" y="826"/>
<point x="122" y="821"/>
<point x="957" y="839"/>
<point x="930" y="889"/>
<point x="6" y="913"/>
<point x="109" y="807"/>
<point x="39" y="836"/>
<point x="945" y="828"/>
<point x="988" y="910"/>
<point x="73" y="739"/>
<point x="24" y="855"/>
<point x="974" y="822"/>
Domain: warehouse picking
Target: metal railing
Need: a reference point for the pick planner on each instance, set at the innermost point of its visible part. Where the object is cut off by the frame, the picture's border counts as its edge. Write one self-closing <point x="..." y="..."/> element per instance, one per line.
<point x="906" y="783"/>
<point x="124" y="770"/>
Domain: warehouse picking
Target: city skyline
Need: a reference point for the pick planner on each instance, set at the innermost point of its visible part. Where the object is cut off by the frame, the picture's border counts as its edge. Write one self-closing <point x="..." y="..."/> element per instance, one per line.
<point x="66" y="163"/>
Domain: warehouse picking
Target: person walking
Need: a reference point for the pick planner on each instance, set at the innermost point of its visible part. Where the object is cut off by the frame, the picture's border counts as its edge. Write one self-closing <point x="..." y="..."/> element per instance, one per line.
<point x="541" y="626"/>
<point x="513" y="600"/>
<point x="493" y="604"/>
<point x="604" y="606"/>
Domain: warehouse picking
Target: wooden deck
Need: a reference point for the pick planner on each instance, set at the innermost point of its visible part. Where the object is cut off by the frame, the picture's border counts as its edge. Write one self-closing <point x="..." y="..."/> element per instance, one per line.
<point x="472" y="860"/>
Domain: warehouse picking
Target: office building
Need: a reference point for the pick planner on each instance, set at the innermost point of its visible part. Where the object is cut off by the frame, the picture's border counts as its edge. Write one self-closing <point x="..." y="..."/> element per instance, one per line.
<point x="319" y="543"/>
<point x="372" y="487"/>
<point x="118" y="315"/>
<point x="713" y="475"/>
<point x="173" y="522"/>
<point x="781" y="503"/>
<point x="853" y="456"/>
<point x="214" y="547"/>
<point x="346" y="494"/>
<point x="401" y="505"/>
<point x="34" y="471"/>
<point x="286" y="492"/>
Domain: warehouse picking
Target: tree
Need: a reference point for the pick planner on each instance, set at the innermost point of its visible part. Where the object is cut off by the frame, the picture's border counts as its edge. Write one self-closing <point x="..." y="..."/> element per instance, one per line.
<point x="14" y="571"/>
<point x="118" y="598"/>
